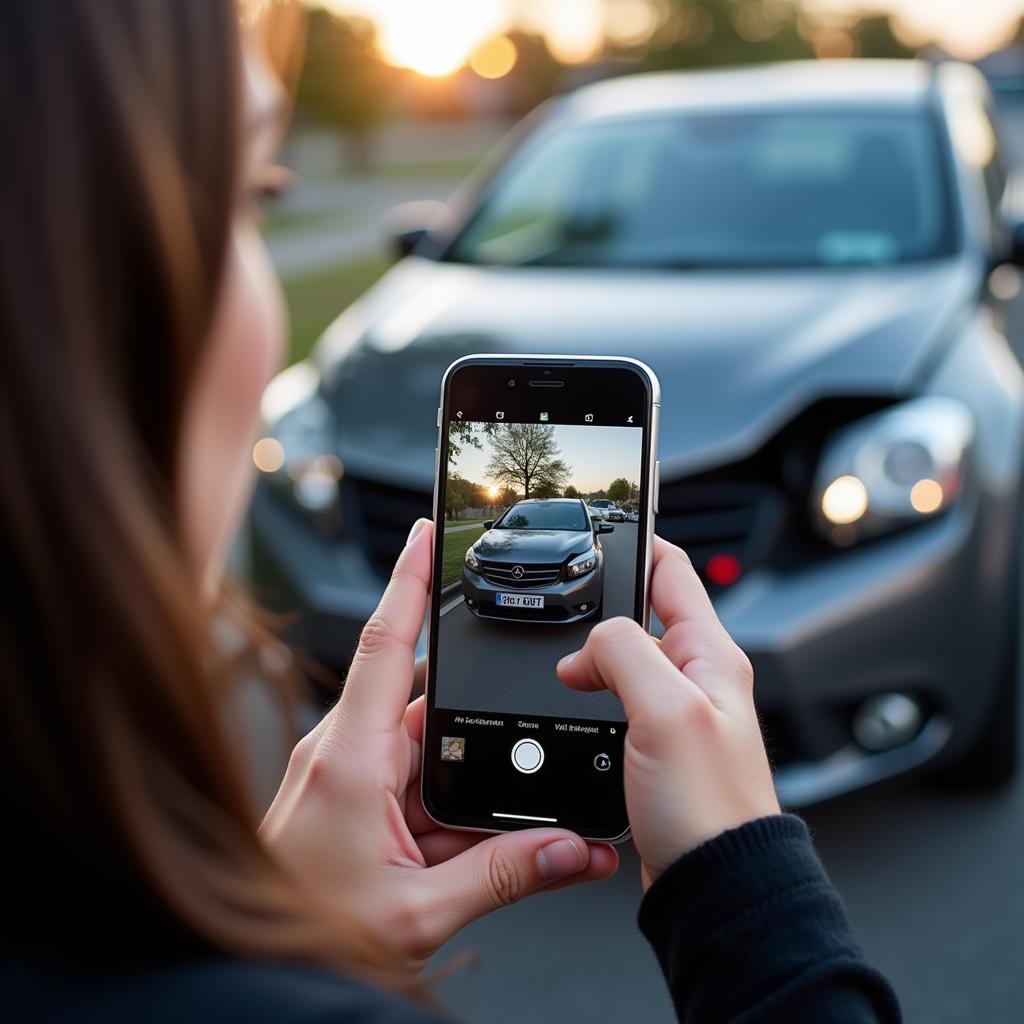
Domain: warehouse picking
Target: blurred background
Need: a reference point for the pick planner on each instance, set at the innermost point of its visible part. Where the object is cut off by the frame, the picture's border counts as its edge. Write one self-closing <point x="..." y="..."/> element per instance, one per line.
<point x="416" y="177"/>
<point x="398" y="100"/>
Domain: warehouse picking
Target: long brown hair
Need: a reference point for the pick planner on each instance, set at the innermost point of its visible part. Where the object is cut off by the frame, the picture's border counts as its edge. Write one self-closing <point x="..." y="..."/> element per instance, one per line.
<point x="129" y="827"/>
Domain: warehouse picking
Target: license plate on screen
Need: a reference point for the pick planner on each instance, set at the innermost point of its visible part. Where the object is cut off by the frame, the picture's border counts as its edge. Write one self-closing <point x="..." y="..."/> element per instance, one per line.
<point x="519" y="600"/>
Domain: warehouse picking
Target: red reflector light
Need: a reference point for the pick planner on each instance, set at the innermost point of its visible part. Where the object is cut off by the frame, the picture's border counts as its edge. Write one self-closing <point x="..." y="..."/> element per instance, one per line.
<point x="723" y="569"/>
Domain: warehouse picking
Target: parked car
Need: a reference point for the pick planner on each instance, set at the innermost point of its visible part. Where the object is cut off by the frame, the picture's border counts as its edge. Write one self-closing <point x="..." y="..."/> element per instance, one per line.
<point x="803" y="254"/>
<point x="540" y="562"/>
<point x="611" y="511"/>
<point x="596" y="513"/>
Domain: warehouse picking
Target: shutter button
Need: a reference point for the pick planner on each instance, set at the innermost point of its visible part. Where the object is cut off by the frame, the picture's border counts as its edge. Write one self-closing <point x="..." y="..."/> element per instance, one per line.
<point x="527" y="756"/>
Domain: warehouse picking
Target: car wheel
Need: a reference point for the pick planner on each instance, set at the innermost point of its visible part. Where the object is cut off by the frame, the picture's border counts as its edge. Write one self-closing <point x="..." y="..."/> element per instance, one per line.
<point x="991" y="761"/>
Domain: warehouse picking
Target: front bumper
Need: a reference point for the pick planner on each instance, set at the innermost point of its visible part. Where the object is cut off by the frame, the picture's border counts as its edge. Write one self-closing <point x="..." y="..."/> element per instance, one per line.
<point x="920" y="612"/>
<point x="562" y="600"/>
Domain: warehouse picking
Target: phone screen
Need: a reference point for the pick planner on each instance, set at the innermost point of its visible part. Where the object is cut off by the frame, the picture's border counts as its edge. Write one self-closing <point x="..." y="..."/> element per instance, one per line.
<point x="543" y="491"/>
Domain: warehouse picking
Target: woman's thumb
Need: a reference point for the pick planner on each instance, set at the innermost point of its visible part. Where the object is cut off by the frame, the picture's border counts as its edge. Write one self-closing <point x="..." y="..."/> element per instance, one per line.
<point x="502" y="870"/>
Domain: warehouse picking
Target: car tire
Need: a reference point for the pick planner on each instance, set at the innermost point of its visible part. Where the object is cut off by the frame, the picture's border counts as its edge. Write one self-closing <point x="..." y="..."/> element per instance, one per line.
<point x="991" y="761"/>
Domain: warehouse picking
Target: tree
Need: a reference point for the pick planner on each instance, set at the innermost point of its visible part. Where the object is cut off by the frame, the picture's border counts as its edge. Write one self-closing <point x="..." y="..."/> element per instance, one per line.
<point x="344" y="82"/>
<point x="526" y="455"/>
<point x="710" y="33"/>
<point x="570" y="492"/>
<point x="545" y="490"/>
<point x="461" y="433"/>
<point x="618" y="490"/>
<point x="460" y="494"/>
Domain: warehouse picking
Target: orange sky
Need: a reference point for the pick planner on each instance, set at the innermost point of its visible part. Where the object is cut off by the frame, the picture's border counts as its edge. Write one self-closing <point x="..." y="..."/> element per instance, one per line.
<point x="437" y="36"/>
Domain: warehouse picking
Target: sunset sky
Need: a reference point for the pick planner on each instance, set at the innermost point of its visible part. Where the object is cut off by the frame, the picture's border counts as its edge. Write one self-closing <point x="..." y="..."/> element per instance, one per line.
<point x="597" y="455"/>
<point x="438" y="37"/>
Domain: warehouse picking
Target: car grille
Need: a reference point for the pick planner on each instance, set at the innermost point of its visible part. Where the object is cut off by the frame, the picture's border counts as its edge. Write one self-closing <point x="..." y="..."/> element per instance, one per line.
<point x="707" y="517"/>
<point x="704" y="516"/>
<point x="501" y="574"/>
<point x="381" y="515"/>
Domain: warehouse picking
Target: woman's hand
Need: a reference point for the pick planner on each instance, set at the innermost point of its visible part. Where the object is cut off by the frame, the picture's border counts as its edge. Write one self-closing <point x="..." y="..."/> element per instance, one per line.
<point x="348" y="819"/>
<point x="694" y="762"/>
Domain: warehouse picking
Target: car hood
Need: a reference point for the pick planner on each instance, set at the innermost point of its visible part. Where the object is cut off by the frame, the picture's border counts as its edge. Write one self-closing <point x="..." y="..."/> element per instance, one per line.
<point x="737" y="352"/>
<point x="535" y="546"/>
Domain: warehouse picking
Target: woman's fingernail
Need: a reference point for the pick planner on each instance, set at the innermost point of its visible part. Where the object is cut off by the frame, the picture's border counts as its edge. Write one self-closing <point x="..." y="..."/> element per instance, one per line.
<point x="559" y="859"/>
<point x="563" y="662"/>
<point x="416" y="527"/>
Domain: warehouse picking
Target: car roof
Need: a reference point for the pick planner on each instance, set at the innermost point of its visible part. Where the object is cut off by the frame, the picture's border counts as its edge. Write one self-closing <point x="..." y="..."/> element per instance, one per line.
<point x="897" y="84"/>
<point x="527" y="501"/>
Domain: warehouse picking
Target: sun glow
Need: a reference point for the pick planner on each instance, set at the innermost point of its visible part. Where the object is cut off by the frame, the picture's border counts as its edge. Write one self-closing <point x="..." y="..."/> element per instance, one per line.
<point x="435" y="38"/>
<point x="493" y="491"/>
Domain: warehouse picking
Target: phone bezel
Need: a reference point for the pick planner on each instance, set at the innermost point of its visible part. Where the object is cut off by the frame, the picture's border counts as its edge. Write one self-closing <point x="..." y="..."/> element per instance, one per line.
<point x="651" y="495"/>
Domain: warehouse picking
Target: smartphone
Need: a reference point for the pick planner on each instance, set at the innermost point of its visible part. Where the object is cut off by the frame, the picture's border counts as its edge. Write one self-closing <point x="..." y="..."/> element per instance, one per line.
<point x="544" y="504"/>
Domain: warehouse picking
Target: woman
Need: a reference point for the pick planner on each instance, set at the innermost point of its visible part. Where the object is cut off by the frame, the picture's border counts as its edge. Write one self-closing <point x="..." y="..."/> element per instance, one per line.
<point x="140" y="322"/>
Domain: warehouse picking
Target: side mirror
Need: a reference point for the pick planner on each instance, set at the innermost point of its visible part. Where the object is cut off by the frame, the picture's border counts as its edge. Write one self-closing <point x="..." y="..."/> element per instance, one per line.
<point x="605" y="528"/>
<point x="488" y="523"/>
<point x="408" y="224"/>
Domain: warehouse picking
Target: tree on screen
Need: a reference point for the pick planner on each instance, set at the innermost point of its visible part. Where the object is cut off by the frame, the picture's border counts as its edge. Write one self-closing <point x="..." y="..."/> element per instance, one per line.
<point x="527" y="456"/>
<point x="459" y="495"/>
<point x="619" y="490"/>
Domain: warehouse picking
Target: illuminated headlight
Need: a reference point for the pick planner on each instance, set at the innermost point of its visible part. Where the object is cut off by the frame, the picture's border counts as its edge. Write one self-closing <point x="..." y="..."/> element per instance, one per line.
<point x="895" y="467"/>
<point x="295" y="454"/>
<point x="584" y="564"/>
<point x="471" y="561"/>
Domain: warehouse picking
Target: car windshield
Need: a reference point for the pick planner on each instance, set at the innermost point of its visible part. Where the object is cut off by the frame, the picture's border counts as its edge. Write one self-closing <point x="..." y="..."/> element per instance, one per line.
<point x="544" y="515"/>
<point x="602" y="503"/>
<point x="797" y="188"/>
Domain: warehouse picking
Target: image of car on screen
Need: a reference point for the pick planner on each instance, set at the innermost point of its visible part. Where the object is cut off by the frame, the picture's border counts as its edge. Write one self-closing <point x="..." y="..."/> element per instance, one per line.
<point x="540" y="562"/>
<point x="608" y="509"/>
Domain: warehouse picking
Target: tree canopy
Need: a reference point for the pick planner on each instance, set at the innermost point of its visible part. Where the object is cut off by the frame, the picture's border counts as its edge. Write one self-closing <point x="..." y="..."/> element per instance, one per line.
<point x="527" y="456"/>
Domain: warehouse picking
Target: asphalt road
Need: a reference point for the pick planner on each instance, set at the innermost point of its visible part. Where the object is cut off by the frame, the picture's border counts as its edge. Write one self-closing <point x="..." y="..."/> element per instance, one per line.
<point x="509" y="667"/>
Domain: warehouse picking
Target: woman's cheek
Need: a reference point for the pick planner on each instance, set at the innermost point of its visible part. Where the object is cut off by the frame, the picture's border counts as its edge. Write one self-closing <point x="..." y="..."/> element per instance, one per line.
<point x="245" y="349"/>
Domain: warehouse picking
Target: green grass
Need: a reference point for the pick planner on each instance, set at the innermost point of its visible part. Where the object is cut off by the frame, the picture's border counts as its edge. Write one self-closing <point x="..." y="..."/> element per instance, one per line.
<point x="455" y="547"/>
<point x="314" y="300"/>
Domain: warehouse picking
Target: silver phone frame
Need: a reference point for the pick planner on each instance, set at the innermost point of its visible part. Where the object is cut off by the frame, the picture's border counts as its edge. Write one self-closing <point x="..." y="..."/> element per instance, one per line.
<point x="652" y="511"/>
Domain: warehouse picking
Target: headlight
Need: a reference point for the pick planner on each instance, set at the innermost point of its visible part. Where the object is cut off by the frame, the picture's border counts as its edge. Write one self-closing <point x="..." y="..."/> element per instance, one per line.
<point x="898" y="466"/>
<point x="584" y="564"/>
<point x="471" y="560"/>
<point x="295" y="455"/>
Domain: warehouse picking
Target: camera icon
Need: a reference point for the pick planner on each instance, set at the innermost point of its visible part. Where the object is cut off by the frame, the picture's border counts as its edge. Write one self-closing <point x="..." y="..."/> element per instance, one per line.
<point x="588" y="418"/>
<point x="499" y="415"/>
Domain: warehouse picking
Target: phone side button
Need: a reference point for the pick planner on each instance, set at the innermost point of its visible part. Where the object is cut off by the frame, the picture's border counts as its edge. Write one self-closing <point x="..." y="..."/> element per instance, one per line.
<point x="657" y="484"/>
<point x="527" y="756"/>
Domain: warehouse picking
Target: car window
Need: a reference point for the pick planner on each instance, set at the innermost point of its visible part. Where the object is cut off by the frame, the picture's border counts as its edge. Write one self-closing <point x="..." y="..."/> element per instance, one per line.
<point x="792" y="188"/>
<point x="544" y="515"/>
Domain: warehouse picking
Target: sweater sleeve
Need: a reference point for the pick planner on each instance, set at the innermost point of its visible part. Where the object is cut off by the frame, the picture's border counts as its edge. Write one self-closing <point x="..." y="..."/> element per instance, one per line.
<point x="747" y="927"/>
